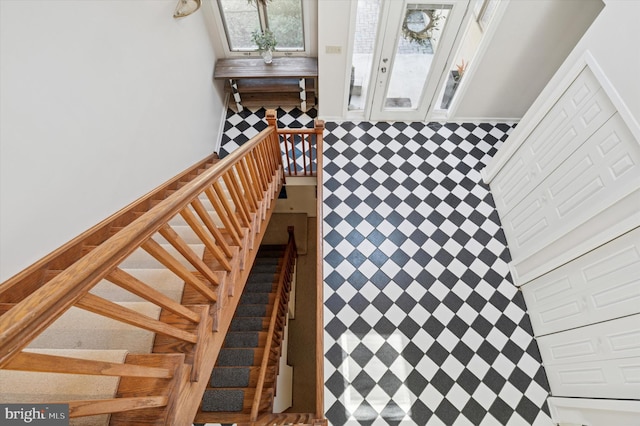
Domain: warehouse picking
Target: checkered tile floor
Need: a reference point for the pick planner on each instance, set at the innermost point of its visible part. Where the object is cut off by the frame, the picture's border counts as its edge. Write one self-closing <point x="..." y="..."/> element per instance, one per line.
<point x="422" y="323"/>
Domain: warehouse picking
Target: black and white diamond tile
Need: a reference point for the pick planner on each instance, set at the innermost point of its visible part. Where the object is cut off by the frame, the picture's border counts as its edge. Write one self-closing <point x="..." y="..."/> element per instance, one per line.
<point x="422" y="323"/>
<point x="240" y="127"/>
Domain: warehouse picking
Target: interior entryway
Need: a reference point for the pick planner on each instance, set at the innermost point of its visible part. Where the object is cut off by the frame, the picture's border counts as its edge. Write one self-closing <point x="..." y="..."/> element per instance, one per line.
<point x="399" y="64"/>
<point x="422" y="324"/>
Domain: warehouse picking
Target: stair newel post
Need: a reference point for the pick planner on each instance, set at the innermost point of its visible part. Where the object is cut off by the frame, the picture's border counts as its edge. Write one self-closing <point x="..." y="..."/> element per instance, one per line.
<point x="319" y="132"/>
<point x="272" y="118"/>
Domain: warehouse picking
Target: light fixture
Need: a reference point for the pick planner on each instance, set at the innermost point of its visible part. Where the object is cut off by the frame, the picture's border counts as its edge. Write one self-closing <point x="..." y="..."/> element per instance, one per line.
<point x="186" y="8"/>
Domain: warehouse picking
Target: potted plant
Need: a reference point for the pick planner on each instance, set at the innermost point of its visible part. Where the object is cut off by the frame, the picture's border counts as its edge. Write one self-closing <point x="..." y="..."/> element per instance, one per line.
<point x="266" y="41"/>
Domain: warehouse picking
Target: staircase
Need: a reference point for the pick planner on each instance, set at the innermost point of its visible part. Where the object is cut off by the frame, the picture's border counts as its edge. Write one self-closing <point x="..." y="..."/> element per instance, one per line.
<point x="232" y="389"/>
<point x="125" y="322"/>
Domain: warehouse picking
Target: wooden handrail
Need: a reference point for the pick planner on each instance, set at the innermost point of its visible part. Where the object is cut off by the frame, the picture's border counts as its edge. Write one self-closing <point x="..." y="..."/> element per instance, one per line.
<point x="240" y="188"/>
<point x="27" y="319"/>
<point x="99" y="256"/>
<point x="25" y="282"/>
<point x="278" y="316"/>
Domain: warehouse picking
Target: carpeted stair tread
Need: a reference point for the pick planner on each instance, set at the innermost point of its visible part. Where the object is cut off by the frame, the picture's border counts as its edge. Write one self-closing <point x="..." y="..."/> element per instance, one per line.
<point x="140" y="259"/>
<point x="265" y="267"/>
<point x="25" y="387"/>
<point x="266" y="260"/>
<point x="230" y="377"/>
<point x="163" y="280"/>
<point x="242" y="339"/>
<point x="80" y="329"/>
<point x="178" y="220"/>
<point x="223" y="400"/>
<point x="252" y="310"/>
<point x="255" y="298"/>
<point x="235" y="357"/>
<point x="270" y="251"/>
<point x="261" y="277"/>
<point x="247" y="324"/>
<point x="259" y="287"/>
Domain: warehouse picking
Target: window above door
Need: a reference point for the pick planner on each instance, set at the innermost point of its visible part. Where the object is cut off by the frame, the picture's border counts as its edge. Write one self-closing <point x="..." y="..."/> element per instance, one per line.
<point x="284" y="18"/>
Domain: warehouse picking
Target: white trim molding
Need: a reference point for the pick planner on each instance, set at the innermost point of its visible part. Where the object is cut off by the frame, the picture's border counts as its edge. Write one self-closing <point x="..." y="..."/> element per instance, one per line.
<point x="585" y="411"/>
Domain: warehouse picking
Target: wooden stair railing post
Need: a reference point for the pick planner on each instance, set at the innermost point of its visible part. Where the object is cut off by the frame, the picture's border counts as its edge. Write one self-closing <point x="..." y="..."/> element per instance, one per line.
<point x="319" y="131"/>
<point x="319" y="338"/>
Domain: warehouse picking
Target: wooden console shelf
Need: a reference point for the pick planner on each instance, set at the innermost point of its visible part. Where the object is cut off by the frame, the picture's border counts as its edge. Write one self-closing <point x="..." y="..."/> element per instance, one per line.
<point x="286" y="81"/>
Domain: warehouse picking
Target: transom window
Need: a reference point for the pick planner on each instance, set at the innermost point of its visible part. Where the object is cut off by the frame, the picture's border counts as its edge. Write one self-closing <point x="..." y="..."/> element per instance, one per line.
<point x="282" y="17"/>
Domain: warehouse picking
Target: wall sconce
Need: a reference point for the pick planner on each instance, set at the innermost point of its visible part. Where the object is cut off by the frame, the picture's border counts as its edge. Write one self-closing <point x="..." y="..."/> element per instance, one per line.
<point x="186" y="8"/>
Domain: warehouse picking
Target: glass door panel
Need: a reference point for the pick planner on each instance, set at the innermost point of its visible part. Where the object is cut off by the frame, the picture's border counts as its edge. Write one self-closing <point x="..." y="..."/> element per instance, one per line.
<point x="413" y="52"/>
<point x="364" y="45"/>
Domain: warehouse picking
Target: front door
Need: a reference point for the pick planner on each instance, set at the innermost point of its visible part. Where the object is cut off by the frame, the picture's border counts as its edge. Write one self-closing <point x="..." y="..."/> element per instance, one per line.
<point x="414" y="43"/>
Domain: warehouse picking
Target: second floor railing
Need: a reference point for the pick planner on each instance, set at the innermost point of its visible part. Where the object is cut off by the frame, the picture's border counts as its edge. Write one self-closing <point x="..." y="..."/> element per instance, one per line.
<point x="299" y="147"/>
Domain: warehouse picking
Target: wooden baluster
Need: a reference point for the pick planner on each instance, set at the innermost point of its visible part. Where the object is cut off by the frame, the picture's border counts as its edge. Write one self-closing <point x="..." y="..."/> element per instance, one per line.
<point x="187" y="252"/>
<point x="305" y="138"/>
<point x="233" y="216"/>
<point x="268" y="163"/>
<point x="287" y="140"/>
<point x="222" y="248"/>
<point x="224" y="215"/>
<point x="100" y="306"/>
<point x="247" y="186"/>
<point x="254" y="183"/>
<point x="137" y="287"/>
<point x="208" y="241"/>
<point x="264" y="162"/>
<point x="275" y="152"/>
<point x="241" y="207"/>
<point x="256" y="171"/>
<point x="156" y="250"/>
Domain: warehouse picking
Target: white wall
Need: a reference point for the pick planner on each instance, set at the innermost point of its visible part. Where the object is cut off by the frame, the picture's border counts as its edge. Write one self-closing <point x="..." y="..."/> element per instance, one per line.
<point x="334" y="21"/>
<point x="530" y="42"/>
<point x="100" y="102"/>
<point x="612" y="41"/>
